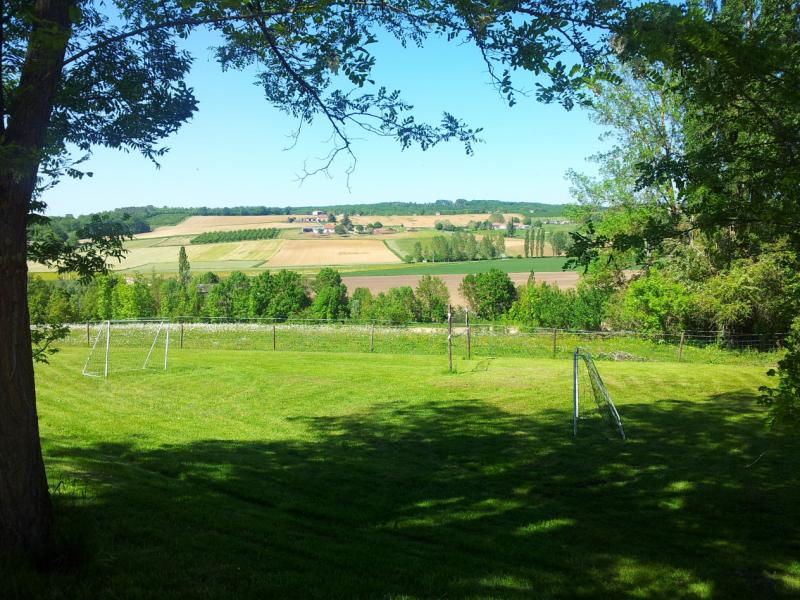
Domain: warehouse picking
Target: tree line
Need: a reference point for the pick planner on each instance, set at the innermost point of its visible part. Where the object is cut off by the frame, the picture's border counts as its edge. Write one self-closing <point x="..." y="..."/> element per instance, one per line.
<point x="654" y="303"/>
<point x="238" y="235"/>
<point x="459" y="247"/>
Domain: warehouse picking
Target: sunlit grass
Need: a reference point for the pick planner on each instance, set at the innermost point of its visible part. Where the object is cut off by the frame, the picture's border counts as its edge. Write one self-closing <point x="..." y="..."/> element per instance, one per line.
<point x="305" y="474"/>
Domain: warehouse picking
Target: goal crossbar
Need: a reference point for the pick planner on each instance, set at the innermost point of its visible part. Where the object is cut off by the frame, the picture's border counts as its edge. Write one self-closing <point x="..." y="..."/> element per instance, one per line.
<point x="103" y="342"/>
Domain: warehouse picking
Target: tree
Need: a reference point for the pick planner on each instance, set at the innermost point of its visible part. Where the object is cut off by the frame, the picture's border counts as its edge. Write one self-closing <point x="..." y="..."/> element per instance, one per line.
<point x="184" y="269"/>
<point x="433" y="298"/>
<point x="489" y="294"/>
<point x="527" y="244"/>
<point x="331" y="295"/>
<point x="330" y="303"/>
<point x="361" y="304"/>
<point x="326" y="277"/>
<point x="277" y="296"/>
<point x="397" y="306"/>
<point x="86" y="75"/>
<point x="416" y="254"/>
<point x="559" y="242"/>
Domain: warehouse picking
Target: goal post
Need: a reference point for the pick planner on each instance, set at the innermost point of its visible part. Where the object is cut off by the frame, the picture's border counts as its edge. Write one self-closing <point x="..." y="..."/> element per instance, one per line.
<point x="128" y="345"/>
<point x="586" y="382"/>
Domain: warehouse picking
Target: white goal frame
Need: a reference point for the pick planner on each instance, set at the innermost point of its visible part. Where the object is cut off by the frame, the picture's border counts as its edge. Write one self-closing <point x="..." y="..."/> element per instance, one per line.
<point x="604" y="403"/>
<point x="104" y="333"/>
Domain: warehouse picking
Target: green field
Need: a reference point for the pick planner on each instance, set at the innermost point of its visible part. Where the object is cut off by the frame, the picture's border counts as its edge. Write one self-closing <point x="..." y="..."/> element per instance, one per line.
<point x="508" y="265"/>
<point x="293" y="474"/>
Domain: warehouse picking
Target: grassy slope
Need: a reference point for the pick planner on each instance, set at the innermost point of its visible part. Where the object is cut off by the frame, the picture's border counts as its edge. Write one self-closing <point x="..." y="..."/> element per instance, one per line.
<point x="510" y="265"/>
<point x="266" y="474"/>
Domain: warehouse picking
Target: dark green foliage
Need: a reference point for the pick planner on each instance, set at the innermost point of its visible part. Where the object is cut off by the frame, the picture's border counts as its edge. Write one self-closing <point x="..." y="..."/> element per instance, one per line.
<point x="277" y="296"/>
<point x="239" y="235"/>
<point x="489" y="294"/>
<point x="783" y="400"/>
<point x="361" y="304"/>
<point x="184" y="268"/>
<point x="544" y="305"/>
<point x="559" y="241"/>
<point x="397" y="306"/>
<point x="433" y="298"/>
<point x="331" y="295"/>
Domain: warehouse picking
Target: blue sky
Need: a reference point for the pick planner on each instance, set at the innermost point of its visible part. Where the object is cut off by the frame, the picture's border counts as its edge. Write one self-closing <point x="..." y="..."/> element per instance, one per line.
<point x="233" y="152"/>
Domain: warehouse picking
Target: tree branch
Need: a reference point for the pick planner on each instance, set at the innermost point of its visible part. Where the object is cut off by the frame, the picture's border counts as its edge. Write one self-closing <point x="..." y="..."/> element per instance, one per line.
<point x="184" y="22"/>
<point x="273" y="45"/>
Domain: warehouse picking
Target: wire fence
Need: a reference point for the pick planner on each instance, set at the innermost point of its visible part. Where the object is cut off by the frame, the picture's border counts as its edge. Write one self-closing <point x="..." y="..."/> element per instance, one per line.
<point x="462" y="340"/>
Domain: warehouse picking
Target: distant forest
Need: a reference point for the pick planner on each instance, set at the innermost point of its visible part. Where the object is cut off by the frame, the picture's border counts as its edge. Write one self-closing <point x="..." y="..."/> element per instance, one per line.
<point x="141" y="219"/>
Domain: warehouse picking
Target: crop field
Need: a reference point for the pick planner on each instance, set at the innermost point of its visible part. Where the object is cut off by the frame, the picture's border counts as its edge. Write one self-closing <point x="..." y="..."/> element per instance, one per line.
<point x="337" y="251"/>
<point x="201" y="224"/>
<point x="230" y="252"/>
<point x="516" y="247"/>
<point x="383" y="283"/>
<point x="245" y="473"/>
<point x="425" y="221"/>
<point x="507" y="265"/>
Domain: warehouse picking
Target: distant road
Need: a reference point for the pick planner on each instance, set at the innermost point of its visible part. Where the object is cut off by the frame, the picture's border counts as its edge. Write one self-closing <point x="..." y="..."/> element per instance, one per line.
<point x="378" y="283"/>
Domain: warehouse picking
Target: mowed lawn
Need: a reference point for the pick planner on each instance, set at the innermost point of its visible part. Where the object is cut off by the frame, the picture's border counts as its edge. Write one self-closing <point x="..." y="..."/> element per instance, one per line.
<point x="311" y="475"/>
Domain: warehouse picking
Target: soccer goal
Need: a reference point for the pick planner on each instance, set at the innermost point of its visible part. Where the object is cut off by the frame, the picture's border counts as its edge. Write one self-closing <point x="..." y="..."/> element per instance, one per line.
<point x="589" y="389"/>
<point x="133" y="345"/>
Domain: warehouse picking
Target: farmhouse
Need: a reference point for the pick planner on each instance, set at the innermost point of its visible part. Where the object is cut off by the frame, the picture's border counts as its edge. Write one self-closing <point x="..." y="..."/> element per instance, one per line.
<point x="319" y="230"/>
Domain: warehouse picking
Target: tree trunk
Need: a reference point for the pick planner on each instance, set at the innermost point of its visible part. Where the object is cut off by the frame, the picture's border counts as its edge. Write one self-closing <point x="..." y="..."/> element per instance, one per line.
<point x="25" y="511"/>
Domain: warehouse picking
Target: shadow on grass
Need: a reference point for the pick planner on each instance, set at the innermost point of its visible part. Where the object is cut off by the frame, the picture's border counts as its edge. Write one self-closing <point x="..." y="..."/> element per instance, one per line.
<point x="448" y="500"/>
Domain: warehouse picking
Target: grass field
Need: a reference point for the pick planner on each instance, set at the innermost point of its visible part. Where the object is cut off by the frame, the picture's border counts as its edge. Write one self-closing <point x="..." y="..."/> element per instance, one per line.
<point x="508" y="265"/>
<point x="292" y="474"/>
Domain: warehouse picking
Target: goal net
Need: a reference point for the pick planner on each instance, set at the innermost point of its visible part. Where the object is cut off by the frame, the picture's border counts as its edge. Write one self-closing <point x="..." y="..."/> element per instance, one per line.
<point x="135" y="345"/>
<point x="590" y="394"/>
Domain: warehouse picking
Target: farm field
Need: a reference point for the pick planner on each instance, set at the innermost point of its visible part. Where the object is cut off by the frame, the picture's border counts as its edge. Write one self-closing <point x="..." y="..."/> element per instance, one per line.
<point x="259" y="475"/>
<point x="163" y="256"/>
<point x="201" y="224"/>
<point x="507" y="265"/>
<point x="338" y="251"/>
<point x="426" y="221"/>
<point x="383" y="283"/>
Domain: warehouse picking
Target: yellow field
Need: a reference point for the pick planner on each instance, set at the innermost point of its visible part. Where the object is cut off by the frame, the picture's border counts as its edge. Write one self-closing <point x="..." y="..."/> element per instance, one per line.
<point x="516" y="246"/>
<point x="194" y="225"/>
<point x="299" y="253"/>
<point x="165" y="258"/>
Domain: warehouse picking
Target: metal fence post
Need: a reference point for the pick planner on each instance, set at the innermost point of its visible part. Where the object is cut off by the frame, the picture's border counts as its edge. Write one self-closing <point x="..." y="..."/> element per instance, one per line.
<point x="575" y="393"/>
<point x="88" y="341"/>
<point x="555" y="335"/>
<point x="469" y="335"/>
<point x="372" y="338"/>
<point x="108" y="347"/>
<point x="274" y="335"/>
<point x="450" y="337"/>
<point x="166" y="348"/>
<point x="181" y="334"/>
